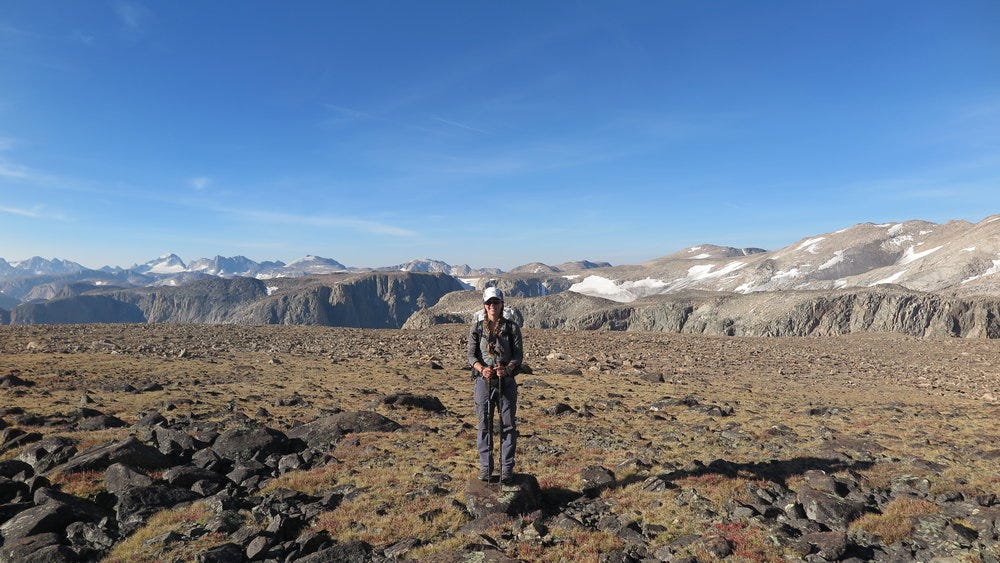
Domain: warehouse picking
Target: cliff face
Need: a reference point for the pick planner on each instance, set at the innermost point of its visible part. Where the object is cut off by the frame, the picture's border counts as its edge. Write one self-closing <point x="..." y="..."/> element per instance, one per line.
<point x="77" y="310"/>
<point x="211" y="300"/>
<point x="377" y="300"/>
<point x="771" y="314"/>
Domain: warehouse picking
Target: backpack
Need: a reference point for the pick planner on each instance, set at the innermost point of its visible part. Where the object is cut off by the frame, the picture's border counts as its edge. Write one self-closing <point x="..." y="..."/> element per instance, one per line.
<point x="505" y="332"/>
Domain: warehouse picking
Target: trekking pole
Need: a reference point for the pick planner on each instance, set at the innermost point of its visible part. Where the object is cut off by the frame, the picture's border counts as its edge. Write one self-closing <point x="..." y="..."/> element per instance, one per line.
<point x="495" y="404"/>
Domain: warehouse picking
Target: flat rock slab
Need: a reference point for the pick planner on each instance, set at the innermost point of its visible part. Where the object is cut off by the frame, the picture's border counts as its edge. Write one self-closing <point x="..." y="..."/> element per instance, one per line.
<point x="520" y="497"/>
<point x="129" y="452"/>
<point x="326" y="431"/>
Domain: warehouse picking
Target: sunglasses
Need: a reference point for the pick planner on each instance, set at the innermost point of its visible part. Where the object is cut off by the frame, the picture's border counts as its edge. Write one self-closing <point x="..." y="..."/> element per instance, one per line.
<point x="494" y="302"/>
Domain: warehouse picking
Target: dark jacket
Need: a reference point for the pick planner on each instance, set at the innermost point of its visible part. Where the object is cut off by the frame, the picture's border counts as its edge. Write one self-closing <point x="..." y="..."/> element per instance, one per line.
<point x="508" y="346"/>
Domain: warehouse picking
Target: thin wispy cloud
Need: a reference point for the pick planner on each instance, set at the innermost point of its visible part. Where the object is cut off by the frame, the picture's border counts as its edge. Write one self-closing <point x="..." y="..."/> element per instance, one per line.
<point x="37" y="212"/>
<point x="361" y="225"/>
<point x="460" y="125"/>
<point x="199" y="183"/>
<point x="133" y="16"/>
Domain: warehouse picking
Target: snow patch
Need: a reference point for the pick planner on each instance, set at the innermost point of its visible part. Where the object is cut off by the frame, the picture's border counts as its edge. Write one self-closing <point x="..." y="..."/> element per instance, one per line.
<point x="895" y="229"/>
<point x="838" y="257"/>
<point x="271" y="289"/>
<point x="993" y="219"/>
<point x="572" y="277"/>
<point x="701" y="256"/>
<point x="922" y="233"/>
<point x="970" y="249"/>
<point x="622" y="292"/>
<point x="469" y="283"/>
<point x="898" y="241"/>
<point x="694" y="249"/>
<point x="995" y="269"/>
<point x="910" y="255"/>
<point x="840" y="283"/>
<point x="890" y="279"/>
<point x="811" y="244"/>
<point x="781" y="274"/>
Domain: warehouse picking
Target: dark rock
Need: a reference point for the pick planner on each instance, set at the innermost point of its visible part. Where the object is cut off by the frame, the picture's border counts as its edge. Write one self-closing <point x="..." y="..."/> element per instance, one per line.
<point x="596" y="478"/>
<point x="87" y="535"/>
<point x="560" y="409"/>
<point x="48" y="453"/>
<point x="425" y="402"/>
<point x="187" y="475"/>
<point x="829" y="545"/>
<point x="521" y="497"/>
<point x="311" y="542"/>
<point x="258" y="546"/>
<point x="12" y="380"/>
<point x="40" y="548"/>
<point x="52" y="515"/>
<point x="137" y="504"/>
<point x="149" y="420"/>
<point x="828" y="509"/>
<point x="324" y="432"/>
<point x="346" y="552"/>
<point x="173" y="442"/>
<point x="295" y="399"/>
<point x="118" y="478"/>
<point x="225" y="553"/>
<point x="225" y="522"/>
<point x="129" y="452"/>
<point x="11" y="438"/>
<point x="718" y="546"/>
<point x="15" y="469"/>
<point x="400" y="548"/>
<point x="243" y="471"/>
<point x="11" y="491"/>
<point x="100" y="422"/>
<point x="243" y="444"/>
<point x="206" y="458"/>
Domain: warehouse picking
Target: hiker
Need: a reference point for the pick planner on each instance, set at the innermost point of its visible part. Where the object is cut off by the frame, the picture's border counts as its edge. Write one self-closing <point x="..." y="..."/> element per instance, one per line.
<point x="495" y="353"/>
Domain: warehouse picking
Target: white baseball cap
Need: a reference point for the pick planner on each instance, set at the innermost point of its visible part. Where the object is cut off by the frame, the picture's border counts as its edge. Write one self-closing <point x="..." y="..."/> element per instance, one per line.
<point x="492" y="293"/>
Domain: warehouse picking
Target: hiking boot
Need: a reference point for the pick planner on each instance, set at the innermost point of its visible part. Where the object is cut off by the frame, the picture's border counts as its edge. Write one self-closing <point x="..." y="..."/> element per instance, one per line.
<point x="506" y="479"/>
<point x="485" y="475"/>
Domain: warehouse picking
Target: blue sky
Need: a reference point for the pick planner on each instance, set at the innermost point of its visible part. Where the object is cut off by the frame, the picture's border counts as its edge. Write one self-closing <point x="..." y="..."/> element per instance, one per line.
<point x="486" y="133"/>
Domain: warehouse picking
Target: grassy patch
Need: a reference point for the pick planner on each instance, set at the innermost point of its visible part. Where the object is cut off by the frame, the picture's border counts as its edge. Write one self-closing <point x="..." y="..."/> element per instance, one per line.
<point x="82" y="484"/>
<point x="894" y="523"/>
<point x="134" y="548"/>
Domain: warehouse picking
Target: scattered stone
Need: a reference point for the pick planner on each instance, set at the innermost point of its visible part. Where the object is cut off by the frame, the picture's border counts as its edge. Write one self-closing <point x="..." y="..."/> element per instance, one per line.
<point x="137" y="504"/>
<point x="244" y="444"/>
<point x="595" y="479"/>
<point x="12" y="380"/>
<point x="425" y="402"/>
<point x="520" y="497"/>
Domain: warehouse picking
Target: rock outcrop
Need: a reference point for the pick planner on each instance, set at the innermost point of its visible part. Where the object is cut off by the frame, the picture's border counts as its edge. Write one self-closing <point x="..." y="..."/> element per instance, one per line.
<point x="372" y="300"/>
<point x="788" y="313"/>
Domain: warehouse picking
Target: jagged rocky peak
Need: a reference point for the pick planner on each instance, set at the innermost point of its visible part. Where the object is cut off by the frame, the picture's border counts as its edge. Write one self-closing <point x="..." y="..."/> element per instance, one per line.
<point x="166" y="264"/>
<point x="225" y="266"/>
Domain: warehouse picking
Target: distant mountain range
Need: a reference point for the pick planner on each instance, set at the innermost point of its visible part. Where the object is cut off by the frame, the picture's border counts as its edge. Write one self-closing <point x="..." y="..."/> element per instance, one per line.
<point x="915" y="277"/>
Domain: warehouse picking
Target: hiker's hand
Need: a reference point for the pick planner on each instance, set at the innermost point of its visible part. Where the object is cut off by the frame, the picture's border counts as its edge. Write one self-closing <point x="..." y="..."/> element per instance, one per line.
<point x="501" y="371"/>
<point x="487" y="372"/>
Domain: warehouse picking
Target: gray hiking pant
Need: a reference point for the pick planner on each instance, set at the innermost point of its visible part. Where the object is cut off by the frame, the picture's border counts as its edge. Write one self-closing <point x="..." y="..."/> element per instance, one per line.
<point x="505" y="400"/>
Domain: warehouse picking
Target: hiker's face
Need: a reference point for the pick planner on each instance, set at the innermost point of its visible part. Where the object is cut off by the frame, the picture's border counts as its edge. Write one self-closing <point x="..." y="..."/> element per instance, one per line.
<point x="494" y="308"/>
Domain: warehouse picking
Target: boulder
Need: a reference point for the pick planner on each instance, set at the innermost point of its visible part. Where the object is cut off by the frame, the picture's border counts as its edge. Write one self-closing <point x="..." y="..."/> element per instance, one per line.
<point x="520" y="497"/>
<point x="48" y="453"/>
<point x="100" y="422"/>
<point x="137" y="504"/>
<point x="11" y="438"/>
<point x="130" y="452"/>
<point x="187" y="475"/>
<point x="829" y="509"/>
<point x="119" y="478"/>
<point x="53" y="514"/>
<point x="40" y="548"/>
<point x="596" y="478"/>
<point x="345" y="552"/>
<point x="13" y="468"/>
<point x="425" y="402"/>
<point x="327" y="431"/>
<point x="244" y="444"/>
